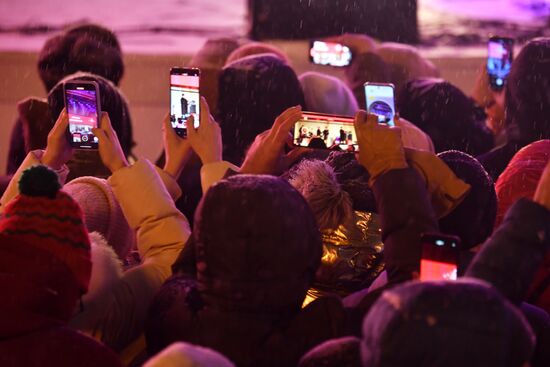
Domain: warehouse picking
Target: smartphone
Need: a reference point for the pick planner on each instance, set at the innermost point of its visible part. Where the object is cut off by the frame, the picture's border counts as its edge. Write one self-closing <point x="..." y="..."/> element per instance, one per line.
<point x="323" y="131"/>
<point x="499" y="61"/>
<point x="184" y="98"/>
<point x="381" y="101"/>
<point x="440" y="255"/>
<point x="83" y="107"/>
<point x="330" y="54"/>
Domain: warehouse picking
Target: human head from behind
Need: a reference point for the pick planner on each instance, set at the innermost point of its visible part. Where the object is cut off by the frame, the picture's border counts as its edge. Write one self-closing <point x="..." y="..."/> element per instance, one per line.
<point x="527" y="96"/>
<point x="327" y="94"/>
<point x="473" y="219"/>
<point x="210" y="59"/>
<point x="257" y="48"/>
<point x="446" y="114"/>
<point x="255" y="253"/>
<point x="446" y="323"/>
<point x="45" y="261"/>
<point x="86" y="47"/>
<point x="112" y="101"/>
<point x="253" y="91"/>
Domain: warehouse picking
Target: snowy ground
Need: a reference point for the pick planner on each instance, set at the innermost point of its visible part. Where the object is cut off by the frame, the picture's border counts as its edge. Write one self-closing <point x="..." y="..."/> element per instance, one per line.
<point x="180" y="26"/>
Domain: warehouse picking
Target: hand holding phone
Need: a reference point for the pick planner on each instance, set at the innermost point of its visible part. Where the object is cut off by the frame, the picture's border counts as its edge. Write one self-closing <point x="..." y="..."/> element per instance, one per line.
<point x="184" y="98"/>
<point x="82" y="103"/>
<point x="499" y="61"/>
<point x="381" y="101"/>
<point x="330" y="54"/>
<point x="439" y="257"/>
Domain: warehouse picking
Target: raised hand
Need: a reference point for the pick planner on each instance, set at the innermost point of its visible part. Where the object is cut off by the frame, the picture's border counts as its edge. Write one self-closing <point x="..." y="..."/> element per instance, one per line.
<point x="380" y="146"/>
<point x="206" y="140"/>
<point x="58" y="150"/>
<point x="110" y="151"/>
<point x="265" y="155"/>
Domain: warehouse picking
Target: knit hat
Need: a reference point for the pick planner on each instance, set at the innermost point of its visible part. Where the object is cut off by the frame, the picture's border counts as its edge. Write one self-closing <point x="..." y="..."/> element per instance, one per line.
<point x="474" y="218"/>
<point x="87" y="47"/>
<point x="342" y="352"/>
<point x="102" y="212"/>
<point x="521" y="178"/>
<point x="316" y="181"/>
<point x="257" y="245"/>
<point x="327" y="94"/>
<point x="48" y="219"/>
<point x="188" y="355"/>
<point x="460" y="323"/>
<point x="446" y="114"/>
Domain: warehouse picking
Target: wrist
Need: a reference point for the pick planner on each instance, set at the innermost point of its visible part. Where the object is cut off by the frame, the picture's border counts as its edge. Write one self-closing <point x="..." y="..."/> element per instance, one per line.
<point x="384" y="166"/>
<point x="118" y="165"/>
<point x="51" y="160"/>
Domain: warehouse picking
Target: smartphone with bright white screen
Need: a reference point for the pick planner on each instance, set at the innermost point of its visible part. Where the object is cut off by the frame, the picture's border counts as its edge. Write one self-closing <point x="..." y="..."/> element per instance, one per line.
<point x="499" y="61"/>
<point x="323" y="131"/>
<point x="83" y="107"/>
<point x="381" y="101"/>
<point x="440" y="255"/>
<point x="329" y="54"/>
<point x="184" y="98"/>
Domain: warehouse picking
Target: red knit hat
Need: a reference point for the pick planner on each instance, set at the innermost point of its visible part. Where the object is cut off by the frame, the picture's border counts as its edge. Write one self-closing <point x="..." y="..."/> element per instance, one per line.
<point x="48" y="219"/>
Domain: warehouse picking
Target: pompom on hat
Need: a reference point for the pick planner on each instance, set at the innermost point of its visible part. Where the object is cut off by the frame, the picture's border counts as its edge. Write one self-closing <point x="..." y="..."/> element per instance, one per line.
<point x="48" y="219"/>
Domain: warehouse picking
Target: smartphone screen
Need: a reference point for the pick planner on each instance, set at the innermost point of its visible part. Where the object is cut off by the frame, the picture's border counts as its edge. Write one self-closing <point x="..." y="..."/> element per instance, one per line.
<point x="381" y="102"/>
<point x="83" y="108"/>
<point x="184" y="98"/>
<point x="329" y="53"/>
<point x="439" y="257"/>
<point x="499" y="61"/>
<point x="322" y="131"/>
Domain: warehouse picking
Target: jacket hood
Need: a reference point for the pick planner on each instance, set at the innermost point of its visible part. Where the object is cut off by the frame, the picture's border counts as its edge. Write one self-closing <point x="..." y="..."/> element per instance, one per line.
<point x="446" y="114"/>
<point x="253" y="91"/>
<point x="257" y="245"/>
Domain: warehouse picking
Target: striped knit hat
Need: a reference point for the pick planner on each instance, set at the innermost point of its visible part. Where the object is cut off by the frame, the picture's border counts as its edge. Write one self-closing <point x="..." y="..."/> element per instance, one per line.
<point x="48" y="219"/>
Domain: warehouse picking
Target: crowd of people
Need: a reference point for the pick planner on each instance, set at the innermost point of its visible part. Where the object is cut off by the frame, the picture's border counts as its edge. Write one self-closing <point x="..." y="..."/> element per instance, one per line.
<point x="236" y="248"/>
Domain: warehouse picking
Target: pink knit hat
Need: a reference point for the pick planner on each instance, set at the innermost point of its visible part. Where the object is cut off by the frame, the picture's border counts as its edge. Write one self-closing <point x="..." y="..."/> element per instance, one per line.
<point x="102" y="212"/>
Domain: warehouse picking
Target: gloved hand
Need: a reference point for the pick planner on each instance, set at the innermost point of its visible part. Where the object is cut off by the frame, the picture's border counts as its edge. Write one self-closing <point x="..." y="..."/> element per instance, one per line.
<point x="380" y="146"/>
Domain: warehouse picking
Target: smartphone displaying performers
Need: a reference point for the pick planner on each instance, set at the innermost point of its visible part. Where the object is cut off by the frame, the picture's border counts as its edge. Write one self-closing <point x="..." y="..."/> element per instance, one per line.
<point x="323" y="131"/>
<point x="499" y="61"/>
<point x="82" y="104"/>
<point x="381" y="101"/>
<point x="184" y="98"/>
<point x="439" y="257"/>
<point x="329" y="54"/>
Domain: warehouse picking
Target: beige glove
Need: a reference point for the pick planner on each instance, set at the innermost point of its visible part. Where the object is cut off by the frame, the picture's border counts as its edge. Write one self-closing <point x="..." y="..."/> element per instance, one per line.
<point x="380" y="146"/>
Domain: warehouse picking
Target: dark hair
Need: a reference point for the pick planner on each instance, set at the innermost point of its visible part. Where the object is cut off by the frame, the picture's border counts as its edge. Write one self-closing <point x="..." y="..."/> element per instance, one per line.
<point x="253" y="92"/>
<point x="528" y="93"/>
<point x="446" y="114"/>
<point x="87" y="47"/>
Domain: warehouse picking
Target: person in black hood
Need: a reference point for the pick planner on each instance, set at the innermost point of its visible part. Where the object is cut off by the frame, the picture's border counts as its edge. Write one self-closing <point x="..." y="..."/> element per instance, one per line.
<point x="254" y="252"/>
<point x="448" y="116"/>
<point x="527" y="105"/>
<point x="253" y="91"/>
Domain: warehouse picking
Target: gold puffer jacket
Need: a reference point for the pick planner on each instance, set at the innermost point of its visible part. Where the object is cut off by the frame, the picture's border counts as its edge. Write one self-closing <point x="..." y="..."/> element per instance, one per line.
<point x="352" y="257"/>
